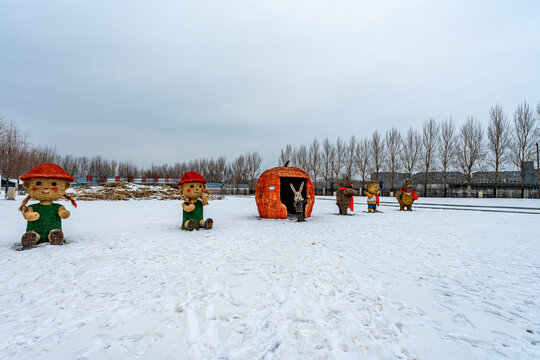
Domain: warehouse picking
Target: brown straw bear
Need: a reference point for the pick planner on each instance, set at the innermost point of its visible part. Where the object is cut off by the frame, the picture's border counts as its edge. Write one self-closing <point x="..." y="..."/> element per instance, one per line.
<point x="344" y="196"/>
<point x="45" y="183"/>
<point x="406" y="196"/>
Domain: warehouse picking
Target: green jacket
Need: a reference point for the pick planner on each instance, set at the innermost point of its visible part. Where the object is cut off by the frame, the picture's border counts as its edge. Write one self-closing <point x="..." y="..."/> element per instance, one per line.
<point x="195" y="215"/>
<point x="48" y="220"/>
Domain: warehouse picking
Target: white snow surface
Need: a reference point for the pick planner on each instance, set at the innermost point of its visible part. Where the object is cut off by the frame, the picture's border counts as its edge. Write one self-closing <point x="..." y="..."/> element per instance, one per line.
<point x="427" y="284"/>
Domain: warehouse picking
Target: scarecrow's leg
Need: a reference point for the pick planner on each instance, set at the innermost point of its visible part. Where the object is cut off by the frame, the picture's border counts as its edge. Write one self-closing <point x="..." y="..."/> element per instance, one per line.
<point x="29" y="239"/>
<point x="189" y="225"/>
<point x="208" y="224"/>
<point x="56" y="237"/>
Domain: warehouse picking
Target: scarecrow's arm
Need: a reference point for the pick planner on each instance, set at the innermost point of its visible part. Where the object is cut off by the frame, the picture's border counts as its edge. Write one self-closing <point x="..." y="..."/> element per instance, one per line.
<point x="350" y="192"/>
<point x="63" y="213"/>
<point x="204" y="199"/>
<point x="398" y="197"/>
<point x="187" y="207"/>
<point x="30" y="215"/>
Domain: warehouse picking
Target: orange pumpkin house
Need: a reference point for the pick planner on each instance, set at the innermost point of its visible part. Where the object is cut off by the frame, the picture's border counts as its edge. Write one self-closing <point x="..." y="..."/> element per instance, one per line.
<point x="274" y="196"/>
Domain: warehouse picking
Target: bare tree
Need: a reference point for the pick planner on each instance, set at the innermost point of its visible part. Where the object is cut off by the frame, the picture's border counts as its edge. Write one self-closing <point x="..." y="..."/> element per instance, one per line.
<point x="286" y="155"/>
<point x="301" y="157"/>
<point x="362" y="159"/>
<point x="498" y="143"/>
<point x="314" y="155"/>
<point x="350" y="149"/>
<point x="239" y="170"/>
<point x="328" y="153"/>
<point x="113" y="166"/>
<point x="216" y="169"/>
<point x="447" y="143"/>
<point x="69" y="163"/>
<point x="339" y="158"/>
<point x="127" y="169"/>
<point x="221" y="166"/>
<point x="40" y="154"/>
<point x="83" y="164"/>
<point x="377" y="149"/>
<point x="525" y="135"/>
<point x="253" y="162"/>
<point x="430" y="140"/>
<point x="13" y="145"/>
<point x="178" y="169"/>
<point x="393" y="146"/>
<point x="99" y="167"/>
<point x="469" y="149"/>
<point x="410" y="151"/>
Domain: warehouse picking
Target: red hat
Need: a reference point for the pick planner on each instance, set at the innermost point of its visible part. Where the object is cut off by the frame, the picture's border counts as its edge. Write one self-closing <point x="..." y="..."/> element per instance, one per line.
<point x="192" y="176"/>
<point x="47" y="170"/>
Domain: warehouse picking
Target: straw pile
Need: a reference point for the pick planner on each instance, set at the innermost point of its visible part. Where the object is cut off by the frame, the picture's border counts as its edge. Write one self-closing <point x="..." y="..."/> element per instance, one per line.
<point x="127" y="191"/>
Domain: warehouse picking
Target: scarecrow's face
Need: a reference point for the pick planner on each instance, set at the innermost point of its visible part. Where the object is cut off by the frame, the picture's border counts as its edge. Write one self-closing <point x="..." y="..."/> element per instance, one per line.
<point x="192" y="190"/>
<point x="408" y="186"/>
<point x="46" y="189"/>
<point x="373" y="188"/>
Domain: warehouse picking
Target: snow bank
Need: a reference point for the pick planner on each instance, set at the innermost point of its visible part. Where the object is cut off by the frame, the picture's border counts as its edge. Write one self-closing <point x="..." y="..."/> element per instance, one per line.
<point x="427" y="284"/>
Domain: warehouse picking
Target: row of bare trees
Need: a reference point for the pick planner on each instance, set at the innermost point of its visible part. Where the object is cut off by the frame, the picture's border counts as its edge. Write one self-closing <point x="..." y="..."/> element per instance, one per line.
<point x="437" y="147"/>
<point x="18" y="156"/>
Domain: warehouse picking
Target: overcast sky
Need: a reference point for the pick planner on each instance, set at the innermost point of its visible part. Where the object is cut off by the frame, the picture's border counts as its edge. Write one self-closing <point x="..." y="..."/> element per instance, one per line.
<point x="167" y="81"/>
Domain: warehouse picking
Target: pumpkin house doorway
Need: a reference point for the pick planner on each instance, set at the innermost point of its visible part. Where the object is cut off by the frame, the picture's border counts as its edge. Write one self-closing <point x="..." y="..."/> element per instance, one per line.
<point x="287" y="195"/>
<point x="274" y="196"/>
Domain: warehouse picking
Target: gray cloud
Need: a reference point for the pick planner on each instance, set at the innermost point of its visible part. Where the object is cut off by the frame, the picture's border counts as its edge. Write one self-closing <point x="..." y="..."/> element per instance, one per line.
<point x="172" y="80"/>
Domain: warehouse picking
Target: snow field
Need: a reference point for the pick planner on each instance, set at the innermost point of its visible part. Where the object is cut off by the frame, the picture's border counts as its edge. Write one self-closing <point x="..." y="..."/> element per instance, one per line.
<point x="427" y="284"/>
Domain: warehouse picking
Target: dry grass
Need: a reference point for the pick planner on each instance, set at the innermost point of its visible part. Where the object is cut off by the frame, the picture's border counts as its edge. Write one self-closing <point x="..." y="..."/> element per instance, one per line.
<point x="127" y="191"/>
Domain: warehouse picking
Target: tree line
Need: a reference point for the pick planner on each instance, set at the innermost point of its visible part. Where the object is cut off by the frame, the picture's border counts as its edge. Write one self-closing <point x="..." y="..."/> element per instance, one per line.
<point x="507" y="143"/>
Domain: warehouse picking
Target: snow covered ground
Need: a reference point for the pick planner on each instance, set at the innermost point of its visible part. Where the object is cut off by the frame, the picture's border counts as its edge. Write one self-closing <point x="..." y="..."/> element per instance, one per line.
<point x="427" y="284"/>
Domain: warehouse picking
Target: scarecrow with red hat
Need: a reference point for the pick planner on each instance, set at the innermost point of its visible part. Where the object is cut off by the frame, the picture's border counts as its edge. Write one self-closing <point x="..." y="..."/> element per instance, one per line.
<point x="192" y="187"/>
<point x="45" y="183"/>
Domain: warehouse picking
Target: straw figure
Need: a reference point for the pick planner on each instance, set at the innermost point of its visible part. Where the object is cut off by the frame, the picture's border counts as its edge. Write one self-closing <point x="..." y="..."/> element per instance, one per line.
<point x="192" y="187"/>
<point x="372" y="194"/>
<point x="406" y="196"/>
<point x="344" y="196"/>
<point x="45" y="183"/>
<point x="299" y="202"/>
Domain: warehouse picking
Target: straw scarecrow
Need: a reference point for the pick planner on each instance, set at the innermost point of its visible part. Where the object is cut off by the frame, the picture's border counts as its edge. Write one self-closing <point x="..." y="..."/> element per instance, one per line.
<point x="192" y="187"/>
<point x="372" y="194"/>
<point x="406" y="196"/>
<point x="45" y="183"/>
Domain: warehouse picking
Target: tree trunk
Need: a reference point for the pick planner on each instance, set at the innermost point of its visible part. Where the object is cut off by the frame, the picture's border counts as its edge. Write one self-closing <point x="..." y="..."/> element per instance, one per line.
<point x="469" y="188"/>
<point x="444" y="183"/>
<point x="522" y="184"/>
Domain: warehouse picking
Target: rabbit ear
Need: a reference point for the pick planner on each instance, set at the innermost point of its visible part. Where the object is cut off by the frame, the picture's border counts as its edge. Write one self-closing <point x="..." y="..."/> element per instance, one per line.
<point x="292" y="187"/>
<point x="301" y="187"/>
